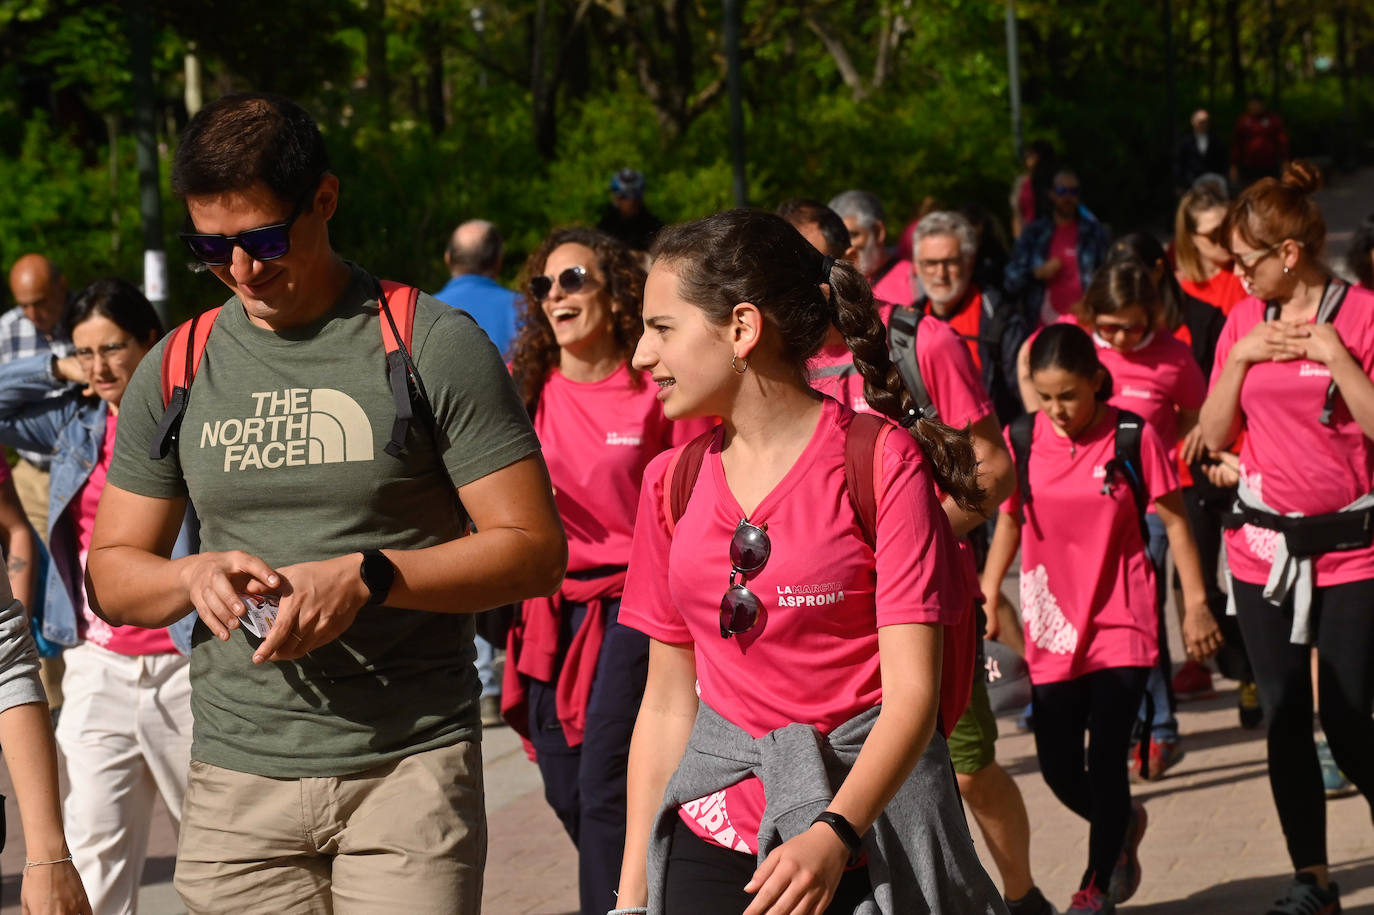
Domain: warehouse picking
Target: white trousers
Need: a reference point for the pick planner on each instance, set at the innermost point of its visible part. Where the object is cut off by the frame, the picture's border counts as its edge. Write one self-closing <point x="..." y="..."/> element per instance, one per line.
<point x="125" y="730"/>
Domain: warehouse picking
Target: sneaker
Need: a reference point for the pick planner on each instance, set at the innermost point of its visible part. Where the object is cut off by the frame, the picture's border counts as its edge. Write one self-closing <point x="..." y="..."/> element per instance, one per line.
<point x="1033" y="903"/>
<point x="1251" y="714"/>
<point x="1090" y="901"/>
<point x="1164" y="755"/>
<point x="1192" y="682"/>
<point x="1125" y="879"/>
<point x="1333" y="779"/>
<point x="491" y="712"/>
<point x="1304" y="897"/>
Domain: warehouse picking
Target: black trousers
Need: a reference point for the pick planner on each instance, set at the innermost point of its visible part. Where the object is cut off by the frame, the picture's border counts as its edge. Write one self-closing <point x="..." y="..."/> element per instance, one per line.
<point x="1343" y="628"/>
<point x="706" y="877"/>
<point x="1205" y="505"/>
<point x="1100" y="706"/>
<point x="585" y="785"/>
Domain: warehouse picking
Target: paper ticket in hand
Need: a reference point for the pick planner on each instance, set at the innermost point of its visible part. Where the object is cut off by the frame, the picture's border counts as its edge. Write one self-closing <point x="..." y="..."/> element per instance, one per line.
<point x="262" y="612"/>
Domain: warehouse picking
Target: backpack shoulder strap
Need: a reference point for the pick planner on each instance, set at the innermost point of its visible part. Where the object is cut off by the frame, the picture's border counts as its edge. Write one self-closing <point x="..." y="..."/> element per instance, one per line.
<point x="1127" y="457"/>
<point x="180" y="361"/>
<point x="1271" y="310"/>
<point x="903" y="328"/>
<point x="863" y="467"/>
<point x="681" y="476"/>
<point x="397" y="307"/>
<point x="1332" y="299"/>
<point x="1021" y="430"/>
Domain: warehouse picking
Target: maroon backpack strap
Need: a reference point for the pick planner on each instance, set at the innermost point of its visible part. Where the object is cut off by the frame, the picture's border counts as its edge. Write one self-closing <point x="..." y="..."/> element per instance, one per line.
<point x="683" y="469"/>
<point x="863" y="446"/>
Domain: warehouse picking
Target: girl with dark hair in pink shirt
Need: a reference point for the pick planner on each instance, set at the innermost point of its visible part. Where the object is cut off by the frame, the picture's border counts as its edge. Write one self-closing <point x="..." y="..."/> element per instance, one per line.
<point x="818" y="633"/>
<point x="574" y="674"/>
<point x="1088" y="597"/>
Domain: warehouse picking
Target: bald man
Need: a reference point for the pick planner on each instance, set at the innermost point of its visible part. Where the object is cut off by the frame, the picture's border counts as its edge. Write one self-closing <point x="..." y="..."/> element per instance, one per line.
<point x="32" y="328"/>
<point x="473" y="257"/>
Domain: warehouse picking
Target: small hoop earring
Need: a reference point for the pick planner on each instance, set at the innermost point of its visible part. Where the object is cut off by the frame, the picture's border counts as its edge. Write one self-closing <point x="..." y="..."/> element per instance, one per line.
<point x="734" y="364"/>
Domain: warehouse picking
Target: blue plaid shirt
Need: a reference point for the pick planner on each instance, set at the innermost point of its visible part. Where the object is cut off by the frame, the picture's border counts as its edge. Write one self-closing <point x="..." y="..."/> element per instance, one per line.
<point x="19" y="338"/>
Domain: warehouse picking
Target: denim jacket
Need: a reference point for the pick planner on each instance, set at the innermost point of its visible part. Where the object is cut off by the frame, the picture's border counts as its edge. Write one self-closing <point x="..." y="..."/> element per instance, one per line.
<point x="72" y="429"/>
<point x="1033" y="248"/>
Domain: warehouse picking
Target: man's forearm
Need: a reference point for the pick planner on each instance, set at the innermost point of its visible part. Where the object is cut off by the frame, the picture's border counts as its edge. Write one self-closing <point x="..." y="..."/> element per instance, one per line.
<point x="133" y="587"/>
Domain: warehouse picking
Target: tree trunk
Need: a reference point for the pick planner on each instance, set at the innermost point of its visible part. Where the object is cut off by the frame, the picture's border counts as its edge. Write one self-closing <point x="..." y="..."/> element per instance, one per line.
<point x="1233" y="37"/>
<point x="1211" y="53"/>
<point x="542" y="93"/>
<point x="112" y="133"/>
<point x="434" y="89"/>
<point x="378" y="74"/>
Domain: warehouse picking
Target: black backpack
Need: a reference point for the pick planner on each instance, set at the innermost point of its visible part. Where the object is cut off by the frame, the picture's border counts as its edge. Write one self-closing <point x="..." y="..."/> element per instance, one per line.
<point x="1125" y="462"/>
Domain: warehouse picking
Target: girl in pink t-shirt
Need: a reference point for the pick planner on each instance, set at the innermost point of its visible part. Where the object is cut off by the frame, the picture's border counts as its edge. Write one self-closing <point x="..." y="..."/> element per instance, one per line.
<point x="1298" y="382"/>
<point x="1088" y="597"/>
<point x="574" y="674"/>
<point x="815" y="628"/>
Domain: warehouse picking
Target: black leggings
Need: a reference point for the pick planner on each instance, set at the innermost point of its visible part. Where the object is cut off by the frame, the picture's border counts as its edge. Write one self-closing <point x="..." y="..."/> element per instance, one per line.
<point x="1102" y="705"/>
<point x="706" y="877"/>
<point x="1205" y="505"/>
<point x="1343" y="628"/>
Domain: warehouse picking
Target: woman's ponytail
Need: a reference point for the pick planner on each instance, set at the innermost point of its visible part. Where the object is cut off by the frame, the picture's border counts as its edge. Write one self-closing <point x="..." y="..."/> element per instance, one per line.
<point x="950" y="450"/>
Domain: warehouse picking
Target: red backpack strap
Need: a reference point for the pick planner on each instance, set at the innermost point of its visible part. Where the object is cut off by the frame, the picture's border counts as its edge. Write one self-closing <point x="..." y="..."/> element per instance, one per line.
<point x="397" y="307"/>
<point x="681" y="476"/>
<point x="863" y="468"/>
<point x="180" y="361"/>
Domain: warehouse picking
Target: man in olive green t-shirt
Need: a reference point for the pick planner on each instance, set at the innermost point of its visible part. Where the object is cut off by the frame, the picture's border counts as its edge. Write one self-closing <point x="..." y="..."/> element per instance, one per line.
<point x="335" y="761"/>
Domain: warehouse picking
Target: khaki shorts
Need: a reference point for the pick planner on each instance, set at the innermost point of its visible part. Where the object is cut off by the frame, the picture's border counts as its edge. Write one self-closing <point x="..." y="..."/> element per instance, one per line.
<point x="409" y="836"/>
<point x="972" y="743"/>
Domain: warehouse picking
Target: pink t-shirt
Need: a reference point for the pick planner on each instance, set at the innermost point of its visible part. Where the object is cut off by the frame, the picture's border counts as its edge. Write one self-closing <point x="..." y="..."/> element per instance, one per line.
<point x="895" y="285"/>
<point x="597" y="438"/>
<point x="1065" y="288"/>
<point x="1155" y="381"/>
<point x="813" y="657"/>
<point x="125" y="640"/>
<point x="1292" y="461"/>
<point x="1087" y="586"/>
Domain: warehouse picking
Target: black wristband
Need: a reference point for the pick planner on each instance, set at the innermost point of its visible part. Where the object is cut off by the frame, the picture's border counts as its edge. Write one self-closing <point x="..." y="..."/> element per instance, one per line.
<point x="848" y="835"/>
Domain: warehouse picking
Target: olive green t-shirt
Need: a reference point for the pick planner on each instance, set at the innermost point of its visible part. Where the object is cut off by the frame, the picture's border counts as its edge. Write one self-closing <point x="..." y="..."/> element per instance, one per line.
<point x="281" y="450"/>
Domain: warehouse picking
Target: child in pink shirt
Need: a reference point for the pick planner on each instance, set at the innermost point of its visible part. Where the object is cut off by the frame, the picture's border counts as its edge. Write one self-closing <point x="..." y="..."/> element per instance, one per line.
<point x="1088" y="597"/>
<point x="574" y="675"/>
<point x="816" y="629"/>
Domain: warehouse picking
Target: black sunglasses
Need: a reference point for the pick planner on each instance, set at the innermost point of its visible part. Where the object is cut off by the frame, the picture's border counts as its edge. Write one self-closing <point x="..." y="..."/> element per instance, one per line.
<point x="749" y="550"/>
<point x="265" y="243"/>
<point x="570" y="280"/>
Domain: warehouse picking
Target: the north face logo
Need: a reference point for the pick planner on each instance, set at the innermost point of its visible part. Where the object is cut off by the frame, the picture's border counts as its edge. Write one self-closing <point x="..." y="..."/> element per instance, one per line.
<point x="292" y="428"/>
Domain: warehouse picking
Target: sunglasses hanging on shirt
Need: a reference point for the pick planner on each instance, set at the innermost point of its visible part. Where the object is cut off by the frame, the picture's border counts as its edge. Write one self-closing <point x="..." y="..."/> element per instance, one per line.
<point x="749" y="551"/>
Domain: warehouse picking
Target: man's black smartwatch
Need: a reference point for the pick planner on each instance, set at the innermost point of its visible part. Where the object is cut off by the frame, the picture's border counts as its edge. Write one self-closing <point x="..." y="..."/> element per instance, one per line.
<point x="378" y="573"/>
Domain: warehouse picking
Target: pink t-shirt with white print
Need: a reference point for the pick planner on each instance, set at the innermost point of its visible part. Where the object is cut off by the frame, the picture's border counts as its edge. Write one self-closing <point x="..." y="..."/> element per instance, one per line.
<point x="1087" y="586"/>
<point x="597" y="439"/>
<point x="813" y="656"/>
<point x="1155" y="381"/>
<point x="1292" y="461"/>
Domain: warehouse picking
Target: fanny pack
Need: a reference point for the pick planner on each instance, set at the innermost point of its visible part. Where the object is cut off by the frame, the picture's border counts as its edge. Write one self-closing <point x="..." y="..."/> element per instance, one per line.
<point x="1311" y="535"/>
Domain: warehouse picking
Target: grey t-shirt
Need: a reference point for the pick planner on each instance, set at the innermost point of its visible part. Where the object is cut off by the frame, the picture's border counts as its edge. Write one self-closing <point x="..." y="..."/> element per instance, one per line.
<point x="281" y="451"/>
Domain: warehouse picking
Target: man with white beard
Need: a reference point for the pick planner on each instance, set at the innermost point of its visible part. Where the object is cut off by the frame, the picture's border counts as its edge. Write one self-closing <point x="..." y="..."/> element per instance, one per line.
<point x="944" y="247"/>
<point x="889" y="276"/>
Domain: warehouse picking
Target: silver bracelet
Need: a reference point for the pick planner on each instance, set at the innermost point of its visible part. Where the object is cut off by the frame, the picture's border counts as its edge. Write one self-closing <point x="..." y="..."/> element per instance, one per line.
<point x="29" y="864"/>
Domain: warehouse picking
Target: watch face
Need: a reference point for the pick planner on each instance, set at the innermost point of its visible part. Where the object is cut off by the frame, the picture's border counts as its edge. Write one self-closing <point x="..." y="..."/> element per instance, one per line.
<point x="378" y="574"/>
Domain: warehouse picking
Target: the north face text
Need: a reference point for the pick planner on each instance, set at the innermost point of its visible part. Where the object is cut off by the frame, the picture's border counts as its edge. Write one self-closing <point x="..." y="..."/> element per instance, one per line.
<point x="292" y="428"/>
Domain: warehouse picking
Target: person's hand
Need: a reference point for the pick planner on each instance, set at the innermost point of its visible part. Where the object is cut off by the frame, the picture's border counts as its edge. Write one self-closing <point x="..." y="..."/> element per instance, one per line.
<point x="1267" y="341"/>
<point x="53" y="889"/>
<point x="319" y="600"/>
<point x="993" y="627"/>
<point x="800" y="875"/>
<point x="1318" y="342"/>
<point x="214" y="582"/>
<point x="1048" y="269"/>
<point x="1225" y="473"/>
<point x="1201" y="635"/>
<point x="69" y="368"/>
<point x="1193" y="447"/>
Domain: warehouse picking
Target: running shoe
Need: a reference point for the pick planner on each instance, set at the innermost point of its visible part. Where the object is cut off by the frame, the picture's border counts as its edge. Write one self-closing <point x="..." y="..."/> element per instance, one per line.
<point x="1164" y="755"/>
<point x="1192" y="682"/>
<point x="1125" y="879"/>
<point x="1251" y="713"/>
<point x="490" y="707"/>
<point x="1333" y="779"/>
<point x="1304" y="897"/>
<point x="1090" y="901"/>
<point x="1033" y="903"/>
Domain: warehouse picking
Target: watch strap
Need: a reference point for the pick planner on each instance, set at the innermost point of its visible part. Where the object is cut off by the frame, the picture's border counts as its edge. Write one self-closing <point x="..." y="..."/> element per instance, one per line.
<point x="384" y="574"/>
<point x="845" y="830"/>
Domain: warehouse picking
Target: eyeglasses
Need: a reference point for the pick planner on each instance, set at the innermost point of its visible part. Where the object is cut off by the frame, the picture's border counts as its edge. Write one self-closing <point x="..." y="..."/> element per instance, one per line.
<point x="1065" y="190"/>
<point x="749" y="550"/>
<point x="1108" y="329"/>
<point x="570" y="280"/>
<point x="85" y="355"/>
<point x="265" y="243"/>
<point x="1248" y="262"/>
<point x="949" y="264"/>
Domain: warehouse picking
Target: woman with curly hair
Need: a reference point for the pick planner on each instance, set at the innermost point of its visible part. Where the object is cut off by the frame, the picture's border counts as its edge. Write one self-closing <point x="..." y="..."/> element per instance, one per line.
<point x="574" y="675"/>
